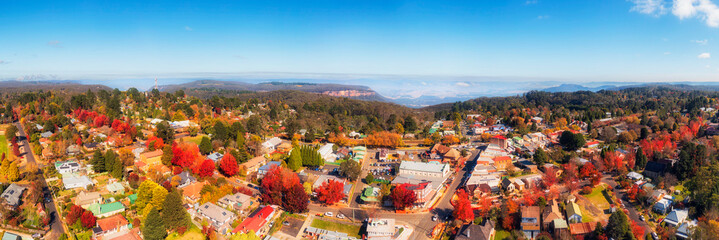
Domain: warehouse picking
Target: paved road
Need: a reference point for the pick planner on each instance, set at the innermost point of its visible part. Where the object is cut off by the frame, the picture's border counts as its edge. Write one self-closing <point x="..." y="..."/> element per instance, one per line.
<point x="633" y="214"/>
<point x="56" y="225"/>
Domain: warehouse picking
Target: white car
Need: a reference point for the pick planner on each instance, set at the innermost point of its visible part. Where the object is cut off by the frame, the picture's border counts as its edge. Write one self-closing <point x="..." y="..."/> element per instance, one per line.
<point x="340" y="216"/>
<point x="329" y="214"/>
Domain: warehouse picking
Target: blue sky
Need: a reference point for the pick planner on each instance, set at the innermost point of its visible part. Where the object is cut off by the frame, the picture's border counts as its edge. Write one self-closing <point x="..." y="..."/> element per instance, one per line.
<point x="592" y="40"/>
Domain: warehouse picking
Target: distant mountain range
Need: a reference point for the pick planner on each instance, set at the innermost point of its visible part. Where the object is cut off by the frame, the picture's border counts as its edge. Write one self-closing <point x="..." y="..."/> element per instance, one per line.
<point x="336" y="90"/>
<point x="685" y="86"/>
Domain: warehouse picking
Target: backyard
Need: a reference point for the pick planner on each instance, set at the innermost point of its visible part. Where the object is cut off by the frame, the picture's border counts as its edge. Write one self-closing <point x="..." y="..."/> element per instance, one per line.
<point x="3" y="145"/>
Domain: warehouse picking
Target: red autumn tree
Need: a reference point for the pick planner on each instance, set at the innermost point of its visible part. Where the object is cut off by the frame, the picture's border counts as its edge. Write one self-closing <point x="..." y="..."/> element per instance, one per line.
<point x="74" y="214"/>
<point x="485" y="204"/>
<point x="281" y="186"/>
<point x="462" y="207"/>
<point x="153" y="142"/>
<point x="637" y="230"/>
<point x="631" y="160"/>
<point x="402" y="197"/>
<point x="550" y="176"/>
<point x="185" y="154"/>
<point x="206" y="168"/>
<point x="632" y="192"/>
<point x="570" y="171"/>
<point x="295" y="199"/>
<point x="100" y="121"/>
<point x="88" y="219"/>
<point x="509" y="214"/>
<point x="588" y="170"/>
<point x="330" y="192"/>
<point x="228" y="165"/>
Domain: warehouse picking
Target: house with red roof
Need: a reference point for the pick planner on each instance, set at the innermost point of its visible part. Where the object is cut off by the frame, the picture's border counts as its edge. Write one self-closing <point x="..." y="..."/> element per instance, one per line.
<point x="257" y="221"/>
<point x="109" y="226"/>
<point x="499" y="140"/>
<point x="502" y="162"/>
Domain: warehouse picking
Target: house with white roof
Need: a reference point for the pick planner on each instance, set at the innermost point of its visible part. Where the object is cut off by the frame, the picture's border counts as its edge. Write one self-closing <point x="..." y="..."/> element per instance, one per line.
<point x="380" y="229"/>
<point x="13" y="195"/>
<point x="271" y="145"/>
<point x="327" y="153"/>
<point x="72" y="181"/>
<point x="217" y="216"/>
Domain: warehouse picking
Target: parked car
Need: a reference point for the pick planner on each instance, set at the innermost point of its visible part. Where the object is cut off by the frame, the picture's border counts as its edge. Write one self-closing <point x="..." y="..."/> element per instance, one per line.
<point x="286" y="223"/>
<point x="655" y="236"/>
<point x="434" y="218"/>
<point x="340" y="216"/>
<point x="641" y="218"/>
<point x="329" y="214"/>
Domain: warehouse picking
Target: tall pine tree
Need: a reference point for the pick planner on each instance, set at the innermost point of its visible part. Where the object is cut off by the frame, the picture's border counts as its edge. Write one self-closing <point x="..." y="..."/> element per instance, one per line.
<point x="173" y="213"/>
<point x="154" y="227"/>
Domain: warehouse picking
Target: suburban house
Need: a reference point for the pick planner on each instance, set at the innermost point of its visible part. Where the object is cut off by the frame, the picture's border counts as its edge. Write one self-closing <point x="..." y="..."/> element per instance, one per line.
<point x="11" y="236"/>
<point x="115" y="188"/>
<point x="270" y="145"/>
<point x="380" y="229"/>
<point x="574" y="214"/>
<point x="551" y="212"/>
<point x="215" y="156"/>
<point x="151" y="158"/>
<point x="676" y="217"/>
<point x="530" y="221"/>
<point x="85" y="199"/>
<point x="327" y="153"/>
<point x="217" y="216"/>
<point x="422" y="192"/>
<point x="257" y="221"/>
<point x="237" y="201"/>
<point x="635" y="176"/>
<point x="477" y="232"/>
<point x="63" y="167"/>
<point x="662" y="206"/>
<point x="110" y="226"/>
<point x="185" y="179"/>
<point x="266" y="168"/>
<point x="253" y="164"/>
<point x="686" y="230"/>
<point x="192" y="192"/>
<point x="72" y="181"/>
<point x="561" y="229"/>
<point x="107" y="209"/>
<point x="73" y="150"/>
<point x="508" y="185"/>
<point x="12" y="195"/>
<point x="502" y="162"/>
<point x="424" y="169"/>
<point x="581" y="229"/>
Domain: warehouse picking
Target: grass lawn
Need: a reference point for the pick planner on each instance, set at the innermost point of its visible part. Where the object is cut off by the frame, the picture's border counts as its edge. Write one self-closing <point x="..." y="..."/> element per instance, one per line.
<point x="597" y="198"/>
<point x="351" y="230"/>
<point x="501" y="235"/>
<point x="193" y="233"/>
<point x="586" y="216"/>
<point x="196" y="139"/>
<point x="3" y="144"/>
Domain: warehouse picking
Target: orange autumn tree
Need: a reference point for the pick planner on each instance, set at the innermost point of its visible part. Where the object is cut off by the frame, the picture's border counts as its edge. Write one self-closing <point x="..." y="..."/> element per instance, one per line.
<point x="384" y="139"/>
<point x="342" y="140"/>
<point x="509" y="214"/>
<point x="185" y="154"/>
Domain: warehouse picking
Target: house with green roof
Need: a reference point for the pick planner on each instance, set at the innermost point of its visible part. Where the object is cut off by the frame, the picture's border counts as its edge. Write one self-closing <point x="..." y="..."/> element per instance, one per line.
<point x="574" y="215"/>
<point x="10" y="236"/>
<point x="132" y="198"/>
<point x="107" y="209"/>
<point x="370" y="195"/>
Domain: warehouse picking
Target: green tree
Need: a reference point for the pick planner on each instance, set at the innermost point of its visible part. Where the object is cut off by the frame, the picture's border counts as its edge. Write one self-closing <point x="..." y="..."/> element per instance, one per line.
<point x="618" y="226"/>
<point x="641" y="159"/>
<point x="369" y="178"/>
<point x="571" y="141"/>
<point x="220" y="131"/>
<point x="167" y="155"/>
<point x="295" y="161"/>
<point x="165" y="132"/>
<point x="144" y="193"/>
<point x="117" y="170"/>
<point x="410" y="125"/>
<point x="173" y="213"/>
<point x="540" y="157"/>
<point x="98" y="162"/>
<point x="10" y="132"/>
<point x="110" y="160"/>
<point x="254" y="124"/>
<point x="205" y="145"/>
<point x="350" y="169"/>
<point x="154" y="227"/>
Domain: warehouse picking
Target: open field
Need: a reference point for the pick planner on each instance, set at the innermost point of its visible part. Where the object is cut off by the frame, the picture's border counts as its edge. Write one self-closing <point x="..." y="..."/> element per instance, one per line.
<point x="351" y="230"/>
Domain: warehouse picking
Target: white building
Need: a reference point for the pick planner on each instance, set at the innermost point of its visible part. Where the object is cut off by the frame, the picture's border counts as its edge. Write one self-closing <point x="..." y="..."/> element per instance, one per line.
<point x="271" y="145"/>
<point x="437" y="170"/>
<point x="380" y="229"/>
<point x="327" y="152"/>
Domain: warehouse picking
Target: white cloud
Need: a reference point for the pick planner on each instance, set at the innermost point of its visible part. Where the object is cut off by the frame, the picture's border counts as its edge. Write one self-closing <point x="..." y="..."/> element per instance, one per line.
<point x="462" y="84"/>
<point x="54" y="43"/>
<point x="651" y="7"/>
<point x="188" y="28"/>
<point x="705" y="10"/>
<point x="701" y="42"/>
<point x="542" y="17"/>
<point x="704" y="56"/>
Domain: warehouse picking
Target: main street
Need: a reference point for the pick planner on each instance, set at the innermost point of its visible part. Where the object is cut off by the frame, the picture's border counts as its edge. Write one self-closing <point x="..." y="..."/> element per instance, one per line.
<point x="56" y="224"/>
<point x="420" y="221"/>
